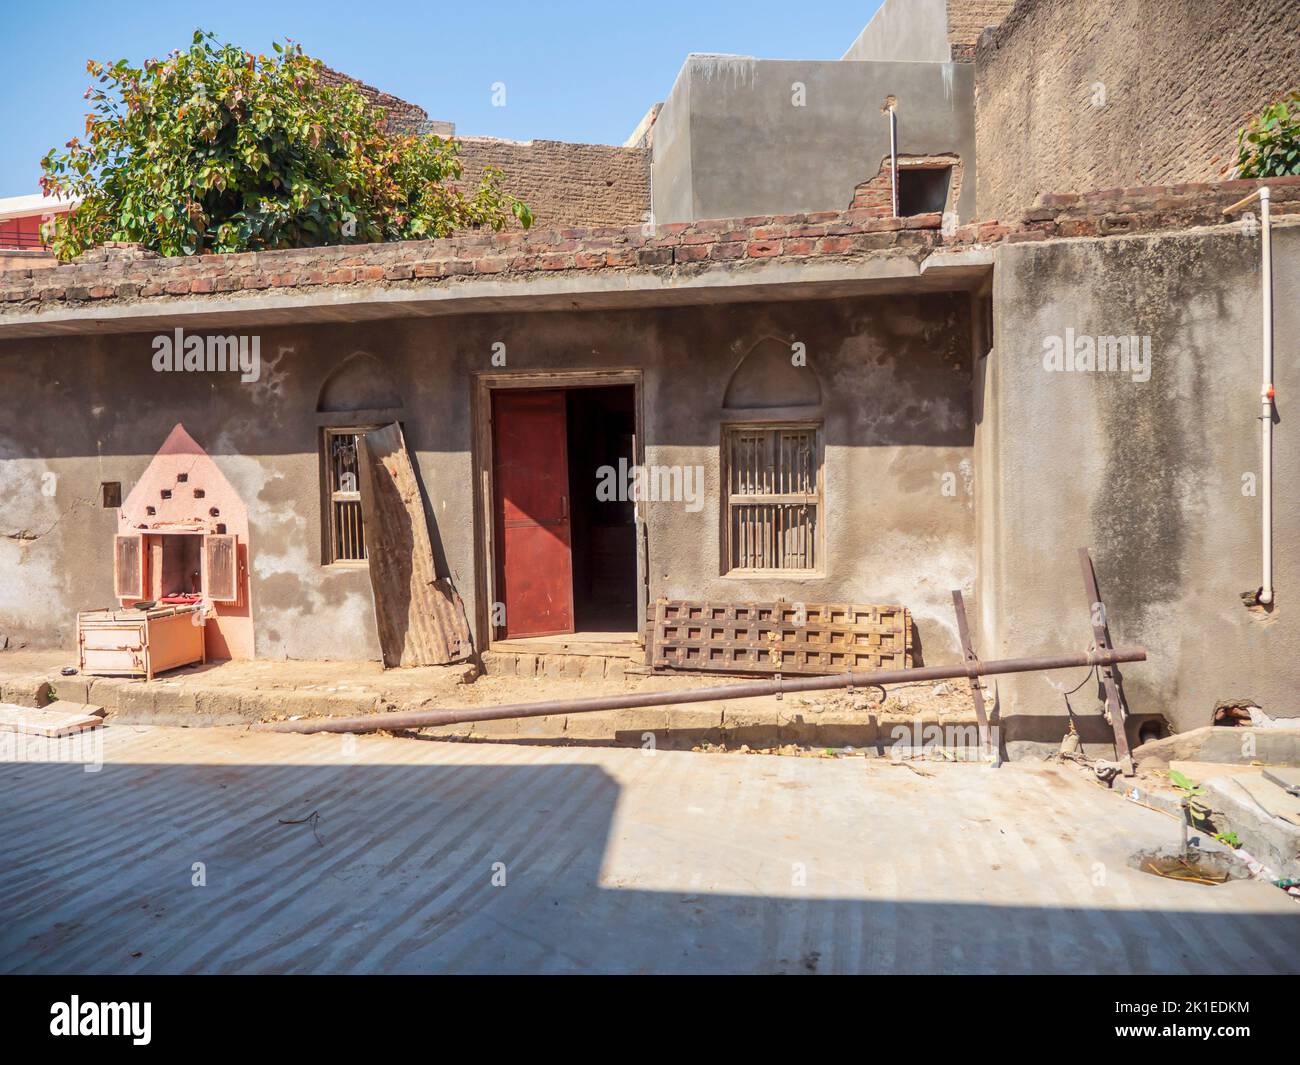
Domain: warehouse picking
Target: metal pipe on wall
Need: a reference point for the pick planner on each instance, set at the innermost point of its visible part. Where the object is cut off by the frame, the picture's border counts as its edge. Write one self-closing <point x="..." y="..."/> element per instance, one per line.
<point x="413" y="719"/>
<point x="1267" y="392"/>
<point x="893" y="156"/>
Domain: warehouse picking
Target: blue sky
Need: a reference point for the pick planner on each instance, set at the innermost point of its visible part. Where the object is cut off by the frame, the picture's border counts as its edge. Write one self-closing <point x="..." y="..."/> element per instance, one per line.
<point x="573" y="70"/>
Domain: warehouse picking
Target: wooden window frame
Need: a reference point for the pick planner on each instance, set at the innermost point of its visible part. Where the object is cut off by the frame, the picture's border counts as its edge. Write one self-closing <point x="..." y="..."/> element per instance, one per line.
<point x="818" y="499"/>
<point x="329" y="539"/>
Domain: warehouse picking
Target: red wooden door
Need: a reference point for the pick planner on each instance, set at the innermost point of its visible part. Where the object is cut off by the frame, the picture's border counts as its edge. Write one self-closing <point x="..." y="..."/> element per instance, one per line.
<point x="533" y="545"/>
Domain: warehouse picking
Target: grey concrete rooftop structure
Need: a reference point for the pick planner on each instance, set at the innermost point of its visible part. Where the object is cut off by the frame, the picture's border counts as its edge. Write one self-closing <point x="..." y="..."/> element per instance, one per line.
<point x="913" y="31"/>
<point x="740" y="136"/>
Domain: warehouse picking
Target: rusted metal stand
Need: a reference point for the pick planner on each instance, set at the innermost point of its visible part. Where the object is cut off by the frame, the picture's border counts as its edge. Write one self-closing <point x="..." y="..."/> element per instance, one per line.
<point x="977" y="691"/>
<point x="1115" y="710"/>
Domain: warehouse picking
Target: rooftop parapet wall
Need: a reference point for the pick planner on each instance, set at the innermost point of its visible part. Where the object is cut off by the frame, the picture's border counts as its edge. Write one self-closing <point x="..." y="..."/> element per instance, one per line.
<point x="124" y="273"/>
<point x="1083" y="95"/>
<point x="117" y="274"/>
<point x="1141" y="209"/>
<point x="566" y="184"/>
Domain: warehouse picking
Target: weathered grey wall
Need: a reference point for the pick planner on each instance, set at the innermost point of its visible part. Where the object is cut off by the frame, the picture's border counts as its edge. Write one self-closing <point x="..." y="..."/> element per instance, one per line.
<point x="1149" y="476"/>
<point x="914" y="31"/>
<point x="895" y="376"/>
<point x="731" y="143"/>
<point x="672" y="183"/>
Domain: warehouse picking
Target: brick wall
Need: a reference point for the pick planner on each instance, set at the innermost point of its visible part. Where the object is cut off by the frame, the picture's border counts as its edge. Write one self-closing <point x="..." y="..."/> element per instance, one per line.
<point x="403" y="117"/>
<point x="116" y="272"/>
<point x="966" y="21"/>
<point x="26" y="260"/>
<point x="566" y="184"/>
<point x="876" y="194"/>
<point x="125" y="273"/>
<point x="1179" y="78"/>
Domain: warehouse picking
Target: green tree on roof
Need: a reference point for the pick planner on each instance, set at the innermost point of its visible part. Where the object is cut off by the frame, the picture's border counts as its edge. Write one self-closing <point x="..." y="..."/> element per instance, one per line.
<point x="216" y="149"/>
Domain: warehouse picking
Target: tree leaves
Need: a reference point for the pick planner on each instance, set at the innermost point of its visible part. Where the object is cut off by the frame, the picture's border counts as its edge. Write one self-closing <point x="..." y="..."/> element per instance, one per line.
<point x="215" y="149"/>
<point x="1269" y="145"/>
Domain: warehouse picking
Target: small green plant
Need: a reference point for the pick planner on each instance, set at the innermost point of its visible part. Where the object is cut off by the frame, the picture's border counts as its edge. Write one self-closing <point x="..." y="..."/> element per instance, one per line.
<point x="1191" y="793"/>
<point x="1269" y="145"/>
<point x="1228" y="839"/>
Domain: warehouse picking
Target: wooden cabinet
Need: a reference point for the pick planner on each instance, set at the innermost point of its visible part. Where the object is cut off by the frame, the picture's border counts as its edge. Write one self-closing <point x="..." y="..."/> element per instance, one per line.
<point x="139" y="643"/>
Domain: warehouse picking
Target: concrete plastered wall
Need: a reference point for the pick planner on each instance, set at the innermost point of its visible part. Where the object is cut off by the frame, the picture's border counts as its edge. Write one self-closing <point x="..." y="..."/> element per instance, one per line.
<point x="927" y="31"/>
<point x="1074" y="95"/>
<point x="740" y="137"/>
<point x="1155" y="477"/>
<point x="905" y="31"/>
<point x="894" y="373"/>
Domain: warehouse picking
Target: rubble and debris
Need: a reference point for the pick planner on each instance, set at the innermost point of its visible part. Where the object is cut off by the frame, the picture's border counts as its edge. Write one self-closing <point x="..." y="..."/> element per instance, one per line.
<point x="69" y="718"/>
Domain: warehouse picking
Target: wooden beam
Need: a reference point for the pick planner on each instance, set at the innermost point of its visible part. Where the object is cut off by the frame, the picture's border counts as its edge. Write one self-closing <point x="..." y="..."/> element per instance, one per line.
<point x="420" y="617"/>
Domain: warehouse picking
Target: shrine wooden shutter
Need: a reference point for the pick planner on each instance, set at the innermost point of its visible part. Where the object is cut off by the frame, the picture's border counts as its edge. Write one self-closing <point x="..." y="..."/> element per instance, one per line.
<point x="220" y="569"/>
<point x="128" y="566"/>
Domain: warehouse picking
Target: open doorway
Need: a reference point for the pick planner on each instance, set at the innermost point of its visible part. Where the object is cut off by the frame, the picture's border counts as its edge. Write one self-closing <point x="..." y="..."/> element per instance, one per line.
<point x="565" y="528"/>
<point x="602" y="439"/>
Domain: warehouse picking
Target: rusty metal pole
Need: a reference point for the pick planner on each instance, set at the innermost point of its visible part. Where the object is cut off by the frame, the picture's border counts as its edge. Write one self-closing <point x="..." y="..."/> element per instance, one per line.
<point x="977" y="691"/>
<point x="1115" y="710"/>
<point x="414" y="719"/>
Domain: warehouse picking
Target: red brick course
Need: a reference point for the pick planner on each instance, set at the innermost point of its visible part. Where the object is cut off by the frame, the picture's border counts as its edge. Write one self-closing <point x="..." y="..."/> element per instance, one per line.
<point x="123" y="273"/>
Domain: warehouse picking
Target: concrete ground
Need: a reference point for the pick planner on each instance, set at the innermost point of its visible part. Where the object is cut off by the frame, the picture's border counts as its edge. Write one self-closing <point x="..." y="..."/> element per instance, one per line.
<point x="225" y="693"/>
<point x="409" y="855"/>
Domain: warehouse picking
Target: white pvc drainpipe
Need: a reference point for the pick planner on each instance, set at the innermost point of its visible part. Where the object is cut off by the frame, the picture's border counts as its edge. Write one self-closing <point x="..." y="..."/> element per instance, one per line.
<point x="893" y="156"/>
<point x="1267" y="392"/>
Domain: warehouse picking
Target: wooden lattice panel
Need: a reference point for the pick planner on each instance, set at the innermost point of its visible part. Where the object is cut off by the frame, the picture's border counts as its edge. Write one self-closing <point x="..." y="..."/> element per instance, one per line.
<point x="780" y="637"/>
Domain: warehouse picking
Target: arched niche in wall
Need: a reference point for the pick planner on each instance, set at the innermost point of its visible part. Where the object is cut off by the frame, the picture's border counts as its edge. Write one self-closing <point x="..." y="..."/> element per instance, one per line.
<point x="359" y="383"/>
<point x="359" y="395"/>
<point x="768" y="379"/>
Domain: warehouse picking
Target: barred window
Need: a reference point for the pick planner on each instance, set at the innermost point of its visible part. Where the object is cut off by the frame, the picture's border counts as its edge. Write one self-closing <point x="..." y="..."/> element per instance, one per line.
<point x="347" y="533"/>
<point x="773" y="483"/>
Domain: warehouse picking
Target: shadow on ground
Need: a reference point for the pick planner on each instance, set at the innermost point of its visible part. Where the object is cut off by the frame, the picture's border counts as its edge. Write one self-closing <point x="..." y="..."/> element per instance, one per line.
<point x="395" y="873"/>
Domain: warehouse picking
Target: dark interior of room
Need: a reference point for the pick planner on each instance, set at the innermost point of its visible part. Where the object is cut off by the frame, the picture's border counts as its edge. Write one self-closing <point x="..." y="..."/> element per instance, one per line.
<point x="601" y="429"/>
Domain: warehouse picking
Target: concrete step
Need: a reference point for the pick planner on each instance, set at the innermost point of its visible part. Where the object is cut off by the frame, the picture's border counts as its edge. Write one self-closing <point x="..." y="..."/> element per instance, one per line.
<point x="1265" y="817"/>
<point x="1274" y="746"/>
<point x="583" y="666"/>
